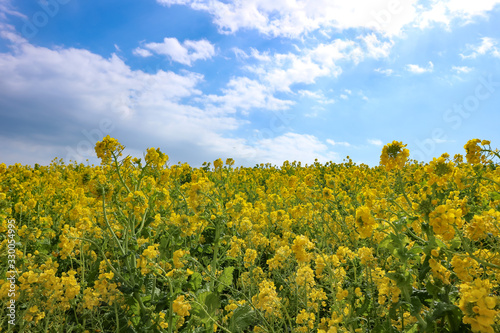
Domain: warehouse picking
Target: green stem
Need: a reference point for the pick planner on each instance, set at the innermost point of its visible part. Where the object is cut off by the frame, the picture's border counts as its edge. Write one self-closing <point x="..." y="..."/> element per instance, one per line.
<point x="107" y="260"/>
<point x="491" y="180"/>
<point x="216" y="254"/>
<point x="115" y="159"/>
<point x="142" y="222"/>
<point x="107" y="223"/>
<point x="117" y="319"/>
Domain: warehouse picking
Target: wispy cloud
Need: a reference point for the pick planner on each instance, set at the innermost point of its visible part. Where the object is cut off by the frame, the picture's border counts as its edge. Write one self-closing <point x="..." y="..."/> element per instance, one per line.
<point x="461" y="69"/>
<point x="488" y="45"/>
<point x="185" y="53"/>
<point x="387" y="71"/>
<point x="7" y="9"/>
<point x="316" y="95"/>
<point x="338" y="143"/>
<point x="142" y="52"/>
<point x="375" y="142"/>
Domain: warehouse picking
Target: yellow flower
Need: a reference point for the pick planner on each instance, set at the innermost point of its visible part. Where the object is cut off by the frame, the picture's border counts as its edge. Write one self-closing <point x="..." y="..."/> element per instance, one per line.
<point x="250" y="256"/>
<point x="444" y="218"/>
<point x="107" y="148"/>
<point x="478" y="306"/>
<point x="299" y="247"/>
<point x="181" y="306"/>
<point x="305" y="277"/>
<point x="267" y="299"/>
<point x="151" y="252"/>
<point x="473" y="151"/>
<point x="178" y="263"/>
<point x="365" y="221"/>
<point x="394" y="156"/>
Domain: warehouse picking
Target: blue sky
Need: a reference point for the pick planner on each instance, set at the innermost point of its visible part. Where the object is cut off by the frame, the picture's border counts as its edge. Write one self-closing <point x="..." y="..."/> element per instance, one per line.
<point x="255" y="80"/>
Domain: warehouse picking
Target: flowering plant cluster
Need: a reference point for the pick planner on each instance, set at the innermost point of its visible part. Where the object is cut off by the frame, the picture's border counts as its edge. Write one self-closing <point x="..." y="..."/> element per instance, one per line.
<point x="137" y="245"/>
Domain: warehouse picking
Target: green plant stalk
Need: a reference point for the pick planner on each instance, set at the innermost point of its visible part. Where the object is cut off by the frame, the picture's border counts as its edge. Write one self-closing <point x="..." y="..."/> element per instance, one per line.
<point x="107" y="260"/>
<point x="247" y="298"/>
<point x="117" y="319"/>
<point x="142" y="223"/>
<point x="109" y="226"/>
<point x="491" y="180"/>
<point x="115" y="159"/>
<point x="216" y="254"/>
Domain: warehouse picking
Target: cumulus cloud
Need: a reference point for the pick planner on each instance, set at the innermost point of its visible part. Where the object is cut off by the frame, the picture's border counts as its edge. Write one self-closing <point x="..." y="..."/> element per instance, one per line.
<point x="61" y="96"/>
<point x="243" y="93"/>
<point x="294" y="147"/>
<point x="298" y="17"/>
<point x="444" y="12"/>
<point x="416" y="69"/>
<point x="375" y="48"/>
<point x="185" y="53"/>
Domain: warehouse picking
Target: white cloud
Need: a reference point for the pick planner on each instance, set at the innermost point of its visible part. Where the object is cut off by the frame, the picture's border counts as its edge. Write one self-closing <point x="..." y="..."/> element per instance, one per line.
<point x="142" y="52"/>
<point x="317" y="95"/>
<point x="6" y="8"/>
<point x="387" y="72"/>
<point x="416" y="69"/>
<point x="375" y="142"/>
<point x="243" y="93"/>
<point x="293" y="147"/>
<point x="344" y="96"/>
<point x="297" y="17"/>
<point x="445" y="12"/>
<point x="375" y="48"/>
<point x="488" y="45"/>
<point x="185" y="53"/>
<point x="281" y="71"/>
<point x="338" y="143"/>
<point x="461" y="69"/>
<point x="58" y="95"/>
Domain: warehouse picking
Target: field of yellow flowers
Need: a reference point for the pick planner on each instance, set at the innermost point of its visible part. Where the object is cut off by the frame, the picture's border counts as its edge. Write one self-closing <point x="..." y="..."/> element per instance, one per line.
<point x="136" y="245"/>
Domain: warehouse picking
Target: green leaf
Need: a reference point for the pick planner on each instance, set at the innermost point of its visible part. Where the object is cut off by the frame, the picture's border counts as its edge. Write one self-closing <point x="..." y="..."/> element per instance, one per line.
<point x="416" y="250"/>
<point x="212" y="303"/>
<point x="243" y="317"/>
<point x="195" y="281"/>
<point x="208" y="304"/>
<point x="226" y="278"/>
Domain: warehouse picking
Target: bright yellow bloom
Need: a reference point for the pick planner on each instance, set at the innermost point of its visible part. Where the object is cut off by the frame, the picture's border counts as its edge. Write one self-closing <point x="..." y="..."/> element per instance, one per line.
<point x="299" y="247"/>
<point x="181" y="306"/>
<point x="250" y="256"/>
<point x="394" y="156"/>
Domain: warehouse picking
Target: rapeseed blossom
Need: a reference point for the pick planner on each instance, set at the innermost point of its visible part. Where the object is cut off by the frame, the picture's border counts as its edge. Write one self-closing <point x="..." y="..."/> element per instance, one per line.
<point x="321" y="247"/>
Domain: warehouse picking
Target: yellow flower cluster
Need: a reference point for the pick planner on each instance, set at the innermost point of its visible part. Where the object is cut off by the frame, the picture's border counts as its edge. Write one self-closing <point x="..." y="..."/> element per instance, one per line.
<point x="445" y="219"/>
<point x="315" y="248"/>
<point x="267" y="299"/>
<point x="394" y="156"/>
<point x="108" y="147"/>
<point x="478" y="305"/>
